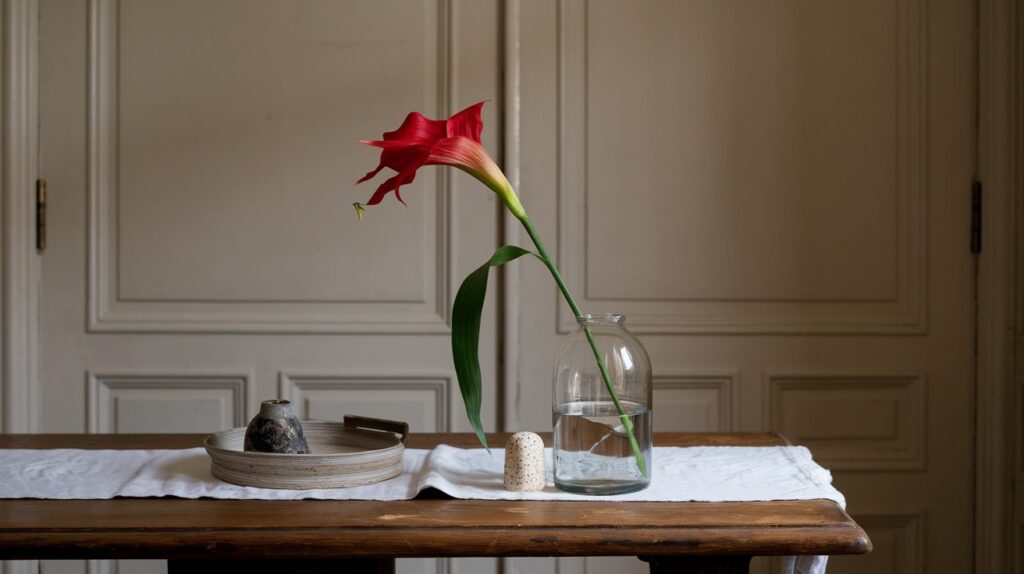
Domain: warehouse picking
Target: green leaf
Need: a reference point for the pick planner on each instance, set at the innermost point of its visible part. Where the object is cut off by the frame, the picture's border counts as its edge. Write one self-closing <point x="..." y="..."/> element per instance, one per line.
<point x="469" y="304"/>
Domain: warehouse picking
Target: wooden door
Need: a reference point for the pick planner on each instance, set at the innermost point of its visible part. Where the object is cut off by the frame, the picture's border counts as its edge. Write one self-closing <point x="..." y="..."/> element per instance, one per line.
<point x="776" y="196"/>
<point x="203" y="252"/>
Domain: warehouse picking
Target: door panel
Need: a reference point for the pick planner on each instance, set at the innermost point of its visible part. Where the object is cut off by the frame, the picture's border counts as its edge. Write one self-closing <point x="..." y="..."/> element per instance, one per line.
<point x="203" y="253"/>
<point x="803" y="104"/>
<point x="775" y="195"/>
<point x="241" y="137"/>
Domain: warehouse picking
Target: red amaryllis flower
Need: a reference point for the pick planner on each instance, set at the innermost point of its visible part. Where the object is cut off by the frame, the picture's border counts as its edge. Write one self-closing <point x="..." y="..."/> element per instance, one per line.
<point x="420" y="141"/>
<point x="456" y="141"/>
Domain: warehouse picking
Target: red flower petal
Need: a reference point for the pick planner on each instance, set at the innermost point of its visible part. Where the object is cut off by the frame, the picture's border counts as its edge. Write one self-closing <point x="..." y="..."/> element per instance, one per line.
<point x="417" y="128"/>
<point x="394" y="183"/>
<point x="417" y="131"/>
<point x="397" y="155"/>
<point x="465" y="153"/>
<point x="467" y="123"/>
<point x="470" y="156"/>
<point x="421" y="141"/>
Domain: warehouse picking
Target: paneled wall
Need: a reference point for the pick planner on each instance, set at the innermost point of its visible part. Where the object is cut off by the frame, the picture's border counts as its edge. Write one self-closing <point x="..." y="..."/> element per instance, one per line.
<point x="203" y="252"/>
<point x="773" y="194"/>
<point x="787" y="217"/>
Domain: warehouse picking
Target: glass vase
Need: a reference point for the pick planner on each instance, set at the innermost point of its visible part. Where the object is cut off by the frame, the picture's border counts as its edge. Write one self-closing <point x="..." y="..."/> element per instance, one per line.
<point x="593" y="453"/>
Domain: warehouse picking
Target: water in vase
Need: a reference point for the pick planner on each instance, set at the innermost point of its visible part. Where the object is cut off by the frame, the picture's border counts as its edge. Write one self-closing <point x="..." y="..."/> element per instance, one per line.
<point x="592" y="453"/>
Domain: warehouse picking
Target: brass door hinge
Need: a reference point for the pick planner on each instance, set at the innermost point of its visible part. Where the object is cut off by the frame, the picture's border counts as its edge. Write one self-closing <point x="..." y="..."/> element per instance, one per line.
<point x="41" y="215"/>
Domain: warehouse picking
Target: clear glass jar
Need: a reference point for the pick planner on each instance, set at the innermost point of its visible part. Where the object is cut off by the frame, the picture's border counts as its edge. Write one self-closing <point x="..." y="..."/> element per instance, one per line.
<point x="593" y="453"/>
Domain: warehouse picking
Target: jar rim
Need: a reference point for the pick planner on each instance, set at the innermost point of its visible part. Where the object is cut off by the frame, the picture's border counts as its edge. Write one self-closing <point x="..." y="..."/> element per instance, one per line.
<point x="600" y="319"/>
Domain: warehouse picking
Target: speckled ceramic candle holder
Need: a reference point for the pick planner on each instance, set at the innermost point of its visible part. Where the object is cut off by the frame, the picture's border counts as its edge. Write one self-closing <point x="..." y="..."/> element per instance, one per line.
<point x="524" y="462"/>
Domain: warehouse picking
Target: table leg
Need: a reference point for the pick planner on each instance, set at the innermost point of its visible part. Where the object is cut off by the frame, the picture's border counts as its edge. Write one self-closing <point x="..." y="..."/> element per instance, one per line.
<point x="698" y="564"/>
<point x="281" y="566"/>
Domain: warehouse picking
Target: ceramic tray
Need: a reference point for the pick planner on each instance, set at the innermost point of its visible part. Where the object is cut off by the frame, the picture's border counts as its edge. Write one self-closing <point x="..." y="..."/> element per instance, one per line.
<point x="358" y="451"/>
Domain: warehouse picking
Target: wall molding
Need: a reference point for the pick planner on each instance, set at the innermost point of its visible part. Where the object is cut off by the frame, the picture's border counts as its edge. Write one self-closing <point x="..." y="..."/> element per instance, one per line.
<point x="910" y="554"/>
<point x="292" y="383"/>
<point x="907" y="314"/>
<point x="100" y="383"/>
<point x="912" y="527"/>
<point x="904" y="452"/>
<point x="508" y="344"/>
<point x="723" y="382"/>
<point x="910" y="530"/>
<point x="109" y="312"/>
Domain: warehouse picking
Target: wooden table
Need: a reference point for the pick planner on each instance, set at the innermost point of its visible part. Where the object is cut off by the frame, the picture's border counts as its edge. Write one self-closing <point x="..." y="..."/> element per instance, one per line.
<point x="347" y="536"/>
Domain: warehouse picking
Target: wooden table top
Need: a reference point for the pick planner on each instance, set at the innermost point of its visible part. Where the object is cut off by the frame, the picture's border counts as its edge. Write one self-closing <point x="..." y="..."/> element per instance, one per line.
<point x="428" y="526"/>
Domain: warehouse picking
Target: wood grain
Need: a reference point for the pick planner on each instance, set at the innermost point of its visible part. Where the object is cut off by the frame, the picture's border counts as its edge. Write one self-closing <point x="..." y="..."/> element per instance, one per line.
<point x="430" y="526"/>
<point x="341" y="455"/>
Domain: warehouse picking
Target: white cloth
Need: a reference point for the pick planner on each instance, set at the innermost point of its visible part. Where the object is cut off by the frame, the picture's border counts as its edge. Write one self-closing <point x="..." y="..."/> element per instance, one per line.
<point x="702" y="474"/>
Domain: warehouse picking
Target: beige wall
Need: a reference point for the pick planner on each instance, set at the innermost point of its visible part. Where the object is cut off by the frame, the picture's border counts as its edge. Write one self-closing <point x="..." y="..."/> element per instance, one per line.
<point x="774" y="195"/>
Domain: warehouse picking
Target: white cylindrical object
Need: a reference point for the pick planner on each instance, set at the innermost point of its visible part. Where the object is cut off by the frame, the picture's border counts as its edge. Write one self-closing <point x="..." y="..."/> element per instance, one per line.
<point x="524" y="462"/>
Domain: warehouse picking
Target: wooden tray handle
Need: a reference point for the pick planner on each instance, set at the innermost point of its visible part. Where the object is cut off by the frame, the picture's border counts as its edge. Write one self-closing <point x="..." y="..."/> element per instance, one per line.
<point x="358" y="422"/>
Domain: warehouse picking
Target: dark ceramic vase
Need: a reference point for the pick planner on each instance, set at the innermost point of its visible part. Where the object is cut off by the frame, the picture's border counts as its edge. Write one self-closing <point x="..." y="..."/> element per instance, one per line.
<point x="276" y="429"/>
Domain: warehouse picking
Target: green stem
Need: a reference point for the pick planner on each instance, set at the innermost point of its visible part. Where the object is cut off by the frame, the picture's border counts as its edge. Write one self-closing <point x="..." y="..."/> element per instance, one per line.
<point x="550" y="263"/>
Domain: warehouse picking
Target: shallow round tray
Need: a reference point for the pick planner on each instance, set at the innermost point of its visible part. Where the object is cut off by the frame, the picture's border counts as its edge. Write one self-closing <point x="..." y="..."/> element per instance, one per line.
<point x="343" y="454"/>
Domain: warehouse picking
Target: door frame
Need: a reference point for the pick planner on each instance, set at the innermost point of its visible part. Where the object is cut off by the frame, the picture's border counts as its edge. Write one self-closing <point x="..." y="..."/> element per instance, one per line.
<point x="19" y="161"/>
<point x="1000" y="134"/>
<point x="999" y="147"/>
<point x="19" y="165"/>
